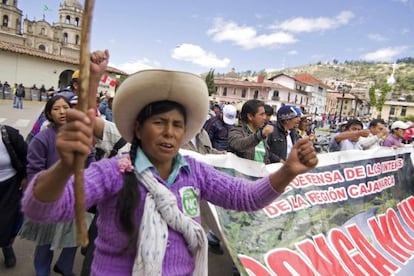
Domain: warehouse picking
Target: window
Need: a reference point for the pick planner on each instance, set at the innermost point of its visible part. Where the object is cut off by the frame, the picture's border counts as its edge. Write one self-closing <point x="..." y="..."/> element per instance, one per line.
<point x="5" y="2"/>
<point x="65" y="38"/>
<point x="296" y="98"/>
<point x="244" y="92"/>
<point x="225" y="91"/>
<point x="404" y="111"/>
<point x="234" y="91"/>
<point x="77" y="39"/>
<point x="42" y="31"/>
<point x="275" y="93"/>
<point x="256" y="94"/>
<point x="288" y="97"/>
<point x="77" y="21"/>
<point x="5" y="20"/>
<point x="67" y="21"/>
<point x="42" y="47"/>
<point x="392" y="110"/>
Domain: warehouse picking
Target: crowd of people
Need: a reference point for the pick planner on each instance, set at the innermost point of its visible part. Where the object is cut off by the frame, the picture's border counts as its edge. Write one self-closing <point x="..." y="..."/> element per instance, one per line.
<point x="144" y="195"/>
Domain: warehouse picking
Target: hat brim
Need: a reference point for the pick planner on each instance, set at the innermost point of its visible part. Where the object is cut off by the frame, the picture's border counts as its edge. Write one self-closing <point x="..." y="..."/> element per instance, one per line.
<point x="148" y="86"/>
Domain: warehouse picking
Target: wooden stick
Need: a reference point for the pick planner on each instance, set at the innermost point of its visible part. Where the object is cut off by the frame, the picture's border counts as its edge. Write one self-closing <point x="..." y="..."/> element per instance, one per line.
<point x="83" y="105"/>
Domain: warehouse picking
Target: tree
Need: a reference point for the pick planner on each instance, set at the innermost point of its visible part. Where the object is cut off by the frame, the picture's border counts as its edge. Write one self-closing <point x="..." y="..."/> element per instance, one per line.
<point x="379" y="103"/>
<point x="210" y="82"/>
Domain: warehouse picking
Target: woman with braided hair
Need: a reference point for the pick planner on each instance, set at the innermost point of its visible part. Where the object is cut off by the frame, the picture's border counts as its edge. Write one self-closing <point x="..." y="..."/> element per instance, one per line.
<point x="148" y="202"/>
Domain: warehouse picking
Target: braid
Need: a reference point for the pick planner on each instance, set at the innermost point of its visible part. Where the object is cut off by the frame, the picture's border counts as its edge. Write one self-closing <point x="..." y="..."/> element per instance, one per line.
<point x="128" y="199"/>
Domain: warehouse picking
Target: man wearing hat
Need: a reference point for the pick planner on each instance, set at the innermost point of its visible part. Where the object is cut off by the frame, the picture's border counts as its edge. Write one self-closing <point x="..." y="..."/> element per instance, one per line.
<point x="247" y="140"/>
<point x="396" y="137"/>
<point x="218" y="127"/>
<point x="284" y="135"/>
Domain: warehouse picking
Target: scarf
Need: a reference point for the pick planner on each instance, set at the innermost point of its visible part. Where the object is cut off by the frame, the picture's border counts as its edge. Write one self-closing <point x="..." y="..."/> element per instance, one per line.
<point x="161" y="211"/>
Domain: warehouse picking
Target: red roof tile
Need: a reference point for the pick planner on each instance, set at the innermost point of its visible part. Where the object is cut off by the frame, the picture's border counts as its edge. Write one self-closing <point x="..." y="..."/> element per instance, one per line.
<point x="20" y="49"/>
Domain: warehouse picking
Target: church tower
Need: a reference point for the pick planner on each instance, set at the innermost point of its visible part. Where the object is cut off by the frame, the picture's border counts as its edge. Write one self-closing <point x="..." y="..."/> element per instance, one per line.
<point x="11" y="18"/>
<point x="69" y="27"/>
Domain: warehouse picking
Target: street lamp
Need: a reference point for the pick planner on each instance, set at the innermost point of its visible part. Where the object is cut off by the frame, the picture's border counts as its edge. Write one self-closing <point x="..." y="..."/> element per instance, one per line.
<point x="344" y="88"/>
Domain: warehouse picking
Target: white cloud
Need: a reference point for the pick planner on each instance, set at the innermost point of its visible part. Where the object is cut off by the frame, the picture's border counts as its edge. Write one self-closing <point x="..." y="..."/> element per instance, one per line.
<point x="376" y="37"/>
<point x="247" y="37"/>
<point x="137" y="65"/>
<point x="292" y="53"/>
<point x="197" y="55"/>
<point x="384" y="54"/>
<point x="301" y="24"/>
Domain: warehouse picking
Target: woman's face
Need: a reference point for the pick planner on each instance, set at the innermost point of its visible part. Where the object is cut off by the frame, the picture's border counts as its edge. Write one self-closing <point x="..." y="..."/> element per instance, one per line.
<point x="58" y="112"/>
<point x="161" y="136"/>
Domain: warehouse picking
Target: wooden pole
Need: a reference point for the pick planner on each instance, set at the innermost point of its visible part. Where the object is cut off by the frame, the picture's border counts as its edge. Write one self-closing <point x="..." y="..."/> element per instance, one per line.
<point x="83" y="105"/>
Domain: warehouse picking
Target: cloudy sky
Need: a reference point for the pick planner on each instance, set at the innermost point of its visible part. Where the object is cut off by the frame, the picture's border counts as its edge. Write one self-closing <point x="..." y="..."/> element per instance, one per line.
<point x="196" y="35"/>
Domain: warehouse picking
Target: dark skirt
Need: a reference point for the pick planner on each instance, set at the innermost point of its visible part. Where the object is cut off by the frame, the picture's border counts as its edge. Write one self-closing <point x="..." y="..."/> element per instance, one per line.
<point x="11" y="217"/>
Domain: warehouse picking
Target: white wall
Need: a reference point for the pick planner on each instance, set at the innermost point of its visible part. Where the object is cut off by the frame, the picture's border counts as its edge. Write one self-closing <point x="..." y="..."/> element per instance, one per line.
<point x="31" y="70"/>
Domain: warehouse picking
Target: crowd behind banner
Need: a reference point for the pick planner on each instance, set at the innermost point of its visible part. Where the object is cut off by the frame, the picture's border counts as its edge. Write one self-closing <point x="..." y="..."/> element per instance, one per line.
<point x="352" y="214"/>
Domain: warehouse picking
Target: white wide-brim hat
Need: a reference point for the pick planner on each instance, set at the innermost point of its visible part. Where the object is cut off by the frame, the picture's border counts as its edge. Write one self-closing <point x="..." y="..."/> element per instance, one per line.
<point x="147" y="86"/>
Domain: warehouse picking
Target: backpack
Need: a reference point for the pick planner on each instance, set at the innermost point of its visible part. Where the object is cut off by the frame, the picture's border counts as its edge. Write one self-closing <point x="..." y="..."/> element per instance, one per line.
<point x="19" y="92"/>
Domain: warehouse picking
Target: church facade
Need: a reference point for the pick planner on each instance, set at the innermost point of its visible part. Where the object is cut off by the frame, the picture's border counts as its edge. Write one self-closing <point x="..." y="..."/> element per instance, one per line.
<point x="36" y="52"/>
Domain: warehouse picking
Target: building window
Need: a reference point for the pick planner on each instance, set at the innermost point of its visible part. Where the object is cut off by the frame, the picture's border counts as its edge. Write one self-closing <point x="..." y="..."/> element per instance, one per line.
<point x="296" y="98"/>
<point x="77" y="39"/>
<point x="67" y="21"/>
<point x="392" y="110"/>
<point x="244" y="92"/>
<point x="404" y="111"/>
<point x="77" y="21"/>
<point x="65" y="38"/>
<point x="5" y="2"/>
<point x="288" y="97"/>
<point x="234" y="91"/>
<point x="42" y="47"/>
<point x="5" y="21"/>
<point x="225" y="91"/>
<point x="256" y="94"/>
<point x="42" y="31"/>
<point x="275" y="93"/>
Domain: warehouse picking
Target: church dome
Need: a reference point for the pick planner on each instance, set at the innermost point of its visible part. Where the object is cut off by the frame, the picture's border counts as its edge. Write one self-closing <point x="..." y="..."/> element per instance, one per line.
<point x="73" y="3"/>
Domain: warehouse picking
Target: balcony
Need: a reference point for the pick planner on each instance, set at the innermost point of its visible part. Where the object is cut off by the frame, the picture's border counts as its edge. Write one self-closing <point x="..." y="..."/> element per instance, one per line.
<point x="275" y="98"/>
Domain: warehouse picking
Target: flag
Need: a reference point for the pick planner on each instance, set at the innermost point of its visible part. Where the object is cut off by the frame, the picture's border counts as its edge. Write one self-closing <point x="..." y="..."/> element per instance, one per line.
<point x="108" y="80"/>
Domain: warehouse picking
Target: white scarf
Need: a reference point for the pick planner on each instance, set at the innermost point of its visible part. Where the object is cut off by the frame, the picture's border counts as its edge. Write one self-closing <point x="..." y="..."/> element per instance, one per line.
<point x="161" y="211"/>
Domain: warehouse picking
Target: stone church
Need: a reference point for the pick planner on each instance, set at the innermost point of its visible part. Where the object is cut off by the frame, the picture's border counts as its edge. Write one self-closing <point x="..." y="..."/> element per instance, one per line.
<point x="36" y="52"/>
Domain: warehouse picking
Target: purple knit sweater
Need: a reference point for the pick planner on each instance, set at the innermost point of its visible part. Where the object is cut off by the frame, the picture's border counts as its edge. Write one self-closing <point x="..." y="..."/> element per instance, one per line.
<point x="102" y="183"/>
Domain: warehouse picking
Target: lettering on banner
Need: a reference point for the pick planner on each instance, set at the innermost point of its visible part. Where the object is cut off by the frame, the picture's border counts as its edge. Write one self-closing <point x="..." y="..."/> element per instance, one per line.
<point x="348" y="250"/>
<point x="335" y="186"/>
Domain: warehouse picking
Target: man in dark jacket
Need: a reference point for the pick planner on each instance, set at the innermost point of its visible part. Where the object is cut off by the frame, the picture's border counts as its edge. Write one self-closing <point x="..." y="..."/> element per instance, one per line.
<point x="247" y="139"/>
<point x="284" y="135"/>
<point x="218" y="127"/>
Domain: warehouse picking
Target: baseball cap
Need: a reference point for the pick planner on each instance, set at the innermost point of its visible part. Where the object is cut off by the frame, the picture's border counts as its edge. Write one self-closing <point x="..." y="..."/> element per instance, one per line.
<point x="229" y="114"/>
<point x="75" y="75"/>
<point x="399" y="124"/>
<point x="288" y="112"/>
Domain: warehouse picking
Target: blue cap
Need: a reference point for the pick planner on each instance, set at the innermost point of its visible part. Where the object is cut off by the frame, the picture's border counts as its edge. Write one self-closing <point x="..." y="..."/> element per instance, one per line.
<point x="288" y="112"/>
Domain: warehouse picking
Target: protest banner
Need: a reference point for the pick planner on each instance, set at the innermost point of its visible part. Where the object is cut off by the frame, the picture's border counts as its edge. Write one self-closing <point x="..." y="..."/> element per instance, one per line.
<point x="351" y="215"/>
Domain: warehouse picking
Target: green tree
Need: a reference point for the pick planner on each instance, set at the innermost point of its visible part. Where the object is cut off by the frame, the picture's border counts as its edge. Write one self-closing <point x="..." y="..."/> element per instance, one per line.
<point x="210" y="82"/>
<point x="379" y="103"/>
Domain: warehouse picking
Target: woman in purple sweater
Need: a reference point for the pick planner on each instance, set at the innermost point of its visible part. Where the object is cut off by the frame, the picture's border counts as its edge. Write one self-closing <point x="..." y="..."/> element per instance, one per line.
<point x="149" y="219"/>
